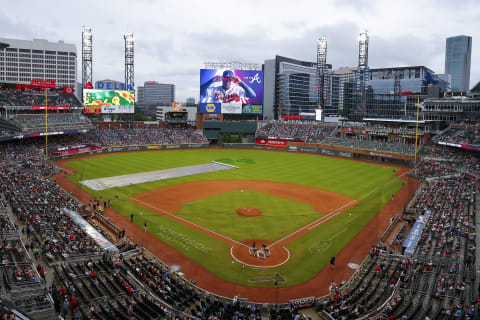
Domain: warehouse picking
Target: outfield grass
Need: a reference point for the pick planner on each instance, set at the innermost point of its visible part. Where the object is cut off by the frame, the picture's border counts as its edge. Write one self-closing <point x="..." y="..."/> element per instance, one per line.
<point x="371" y="184"/>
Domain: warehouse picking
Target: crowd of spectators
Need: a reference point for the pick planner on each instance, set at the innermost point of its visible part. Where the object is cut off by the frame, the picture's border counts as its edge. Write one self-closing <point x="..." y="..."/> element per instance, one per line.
<point x="56" y="122"/>
<point x="436" y="281"/>
<point x="294" y="131"/>
<point x="139" y="136"/>
<point x="440" y="161"/>
<point x="29" y="98"/>
<point x="374" y="145"/>
<point x="460" y="135"/>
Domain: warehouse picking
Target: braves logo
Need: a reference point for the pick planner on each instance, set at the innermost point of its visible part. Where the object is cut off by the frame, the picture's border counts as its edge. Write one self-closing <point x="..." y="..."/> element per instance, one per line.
<point x="256" y="78"/>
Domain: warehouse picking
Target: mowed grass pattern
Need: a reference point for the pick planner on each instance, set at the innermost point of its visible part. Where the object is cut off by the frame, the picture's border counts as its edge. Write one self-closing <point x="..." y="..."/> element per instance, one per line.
<point x="371" y="184"/>
<point x="279" y="217"/>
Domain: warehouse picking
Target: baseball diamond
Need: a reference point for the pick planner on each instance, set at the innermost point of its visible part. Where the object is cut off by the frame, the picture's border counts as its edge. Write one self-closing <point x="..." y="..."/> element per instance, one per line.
<point x="304" y="200"/>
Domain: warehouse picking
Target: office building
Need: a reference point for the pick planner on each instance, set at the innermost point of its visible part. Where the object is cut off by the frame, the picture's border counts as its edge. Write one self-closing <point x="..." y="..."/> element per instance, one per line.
<point x="153" y="94"/>
<point x="458" y="54"/>
<point x="289" y="88"/>
<point x="392" y="93"/>
<point x="25" y="60"/>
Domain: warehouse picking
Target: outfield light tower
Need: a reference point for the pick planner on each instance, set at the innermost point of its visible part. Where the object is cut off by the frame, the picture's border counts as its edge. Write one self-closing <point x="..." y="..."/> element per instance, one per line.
<point x="129" y="61"/>
<point x="86" y="56"/>
<point x="321" y="74"/>
<point x="362" y="73"/>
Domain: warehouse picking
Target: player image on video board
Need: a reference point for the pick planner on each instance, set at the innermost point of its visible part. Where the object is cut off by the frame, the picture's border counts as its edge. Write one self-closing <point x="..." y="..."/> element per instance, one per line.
<point x="231" y="88"/>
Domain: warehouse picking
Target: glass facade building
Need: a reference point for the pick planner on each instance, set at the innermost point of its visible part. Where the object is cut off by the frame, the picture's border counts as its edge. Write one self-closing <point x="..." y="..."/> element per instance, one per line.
<point x="295" y="83"/>
<point x="458" y="54"/>
<point x="392" y="93"/>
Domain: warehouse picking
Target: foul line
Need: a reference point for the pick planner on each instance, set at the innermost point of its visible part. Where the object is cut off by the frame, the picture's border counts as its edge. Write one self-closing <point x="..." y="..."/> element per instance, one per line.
<point x="257" y="266"/>
<point x="327" y="217"/>
<point x="186" y="222"/>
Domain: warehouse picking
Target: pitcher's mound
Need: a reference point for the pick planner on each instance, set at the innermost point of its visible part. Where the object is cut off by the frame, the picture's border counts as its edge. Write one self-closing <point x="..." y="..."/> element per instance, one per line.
<point x="249" y="212"/>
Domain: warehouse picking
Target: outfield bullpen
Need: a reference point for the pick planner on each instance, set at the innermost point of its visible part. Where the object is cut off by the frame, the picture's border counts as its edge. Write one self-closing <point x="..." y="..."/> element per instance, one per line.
<point x="367" y="186"/>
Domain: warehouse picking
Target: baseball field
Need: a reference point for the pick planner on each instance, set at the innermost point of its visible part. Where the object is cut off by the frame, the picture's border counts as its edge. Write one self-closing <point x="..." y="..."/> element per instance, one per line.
<point x="304" y="208"/>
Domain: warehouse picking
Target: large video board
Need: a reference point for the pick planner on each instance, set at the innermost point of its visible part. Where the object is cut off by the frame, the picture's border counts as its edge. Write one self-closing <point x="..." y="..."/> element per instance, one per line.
<point x="227" y="90"/>
<point x="108" y="101"/>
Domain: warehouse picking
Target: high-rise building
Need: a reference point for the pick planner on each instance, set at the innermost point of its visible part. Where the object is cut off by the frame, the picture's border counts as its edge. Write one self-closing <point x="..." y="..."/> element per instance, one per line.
<point x="154" y="94"/>
<point x="25" y="60"/>
<point x="392" y="92"/>
<point x="458" y="54"/>
<point x="289" y="87"/>
<point x="158" y="93"/>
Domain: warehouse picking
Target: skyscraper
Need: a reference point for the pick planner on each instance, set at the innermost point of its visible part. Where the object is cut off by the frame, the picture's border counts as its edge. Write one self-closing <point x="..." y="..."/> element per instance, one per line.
<point x="458" y="54"/>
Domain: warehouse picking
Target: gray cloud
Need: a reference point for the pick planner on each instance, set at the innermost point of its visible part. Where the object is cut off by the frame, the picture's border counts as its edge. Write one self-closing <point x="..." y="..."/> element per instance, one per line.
<point x="174" y="38"/>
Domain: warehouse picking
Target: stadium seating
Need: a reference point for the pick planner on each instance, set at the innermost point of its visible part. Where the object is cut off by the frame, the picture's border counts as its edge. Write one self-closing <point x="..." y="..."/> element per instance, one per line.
<point x="140" y="136"/>
<point x="296" y="132"/>
<point x="460" y="135"/>
<point x="370" y="145"/>
<point x="436" y="281"/>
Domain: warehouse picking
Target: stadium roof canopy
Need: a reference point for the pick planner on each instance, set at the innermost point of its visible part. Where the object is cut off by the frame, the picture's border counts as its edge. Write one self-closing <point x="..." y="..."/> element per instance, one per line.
<point x="4" y="45"/>
<point x="393" y="120"/>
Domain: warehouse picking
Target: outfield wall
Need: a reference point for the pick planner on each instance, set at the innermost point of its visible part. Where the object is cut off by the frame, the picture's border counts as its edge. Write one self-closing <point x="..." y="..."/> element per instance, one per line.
<point x="134" y="148"/>
<point x="336" y="151"/>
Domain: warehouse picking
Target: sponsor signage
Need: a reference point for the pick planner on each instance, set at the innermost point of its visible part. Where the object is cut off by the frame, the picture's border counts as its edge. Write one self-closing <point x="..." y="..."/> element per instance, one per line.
<point x="286" y="117"/>
<point x="51" y="108"/>
<point x="177" y="106"/>
<point x="100" y="98"/>
<point x="97" y="109"/>
<point x="252" y="109"/>
<point x="117" y="109"/>
<point x="282" y="144"/>
<point x="231" y="88"/>
<point x="48" y="83"/>
<point x="112" y="85"/>
<point x="36" y="84"/>
<point x="210" y="108"/>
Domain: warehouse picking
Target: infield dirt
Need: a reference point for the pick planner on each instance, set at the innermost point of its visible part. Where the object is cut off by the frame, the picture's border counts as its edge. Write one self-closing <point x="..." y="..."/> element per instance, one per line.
<point x="355" y="251"/>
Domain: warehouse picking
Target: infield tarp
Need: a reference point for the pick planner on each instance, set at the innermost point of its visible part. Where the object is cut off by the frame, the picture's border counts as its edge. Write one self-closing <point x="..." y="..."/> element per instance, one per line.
<point x="149" y="176"/>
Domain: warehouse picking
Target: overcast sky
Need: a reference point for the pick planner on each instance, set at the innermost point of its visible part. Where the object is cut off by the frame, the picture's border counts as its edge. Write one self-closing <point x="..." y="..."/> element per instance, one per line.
<point x="174" y="38"/>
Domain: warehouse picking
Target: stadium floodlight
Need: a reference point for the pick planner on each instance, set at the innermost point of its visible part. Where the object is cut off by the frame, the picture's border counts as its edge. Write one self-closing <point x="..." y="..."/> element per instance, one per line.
<point x="363" y="36"/>
<point x="129" y="60"/>
<point x="87" y="56"/>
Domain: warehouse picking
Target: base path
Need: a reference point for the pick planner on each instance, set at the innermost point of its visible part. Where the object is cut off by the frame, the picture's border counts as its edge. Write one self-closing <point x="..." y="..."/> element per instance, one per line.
<point x="355" y="251"/>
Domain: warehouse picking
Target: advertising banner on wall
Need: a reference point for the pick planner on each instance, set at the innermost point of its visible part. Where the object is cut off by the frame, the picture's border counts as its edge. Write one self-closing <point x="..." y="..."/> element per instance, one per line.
<point x="231" y="88"/>
<point x="118" y="109"/>
<point x="210" y="108"/>
<point x="252" y="109"/>
<point x="98" y="98"/>
<point x="282" y="144"/>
